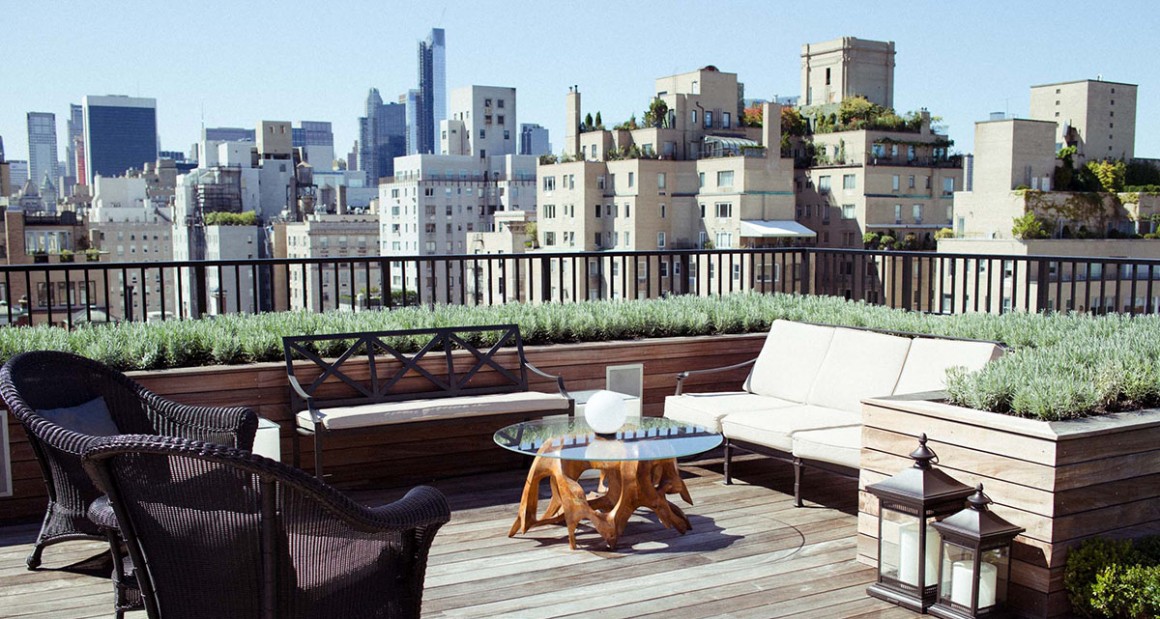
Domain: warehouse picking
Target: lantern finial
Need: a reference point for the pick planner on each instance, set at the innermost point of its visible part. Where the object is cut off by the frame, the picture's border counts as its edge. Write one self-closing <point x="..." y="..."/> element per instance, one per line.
<point x="978" y="500"/>
<point x="923" y="456"/>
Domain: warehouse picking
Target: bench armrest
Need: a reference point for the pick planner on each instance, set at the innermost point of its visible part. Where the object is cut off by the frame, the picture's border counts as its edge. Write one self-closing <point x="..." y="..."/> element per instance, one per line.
<point x="559" y="379"/>
<point x="307" y="399"/>
<point x="687" y="373"/>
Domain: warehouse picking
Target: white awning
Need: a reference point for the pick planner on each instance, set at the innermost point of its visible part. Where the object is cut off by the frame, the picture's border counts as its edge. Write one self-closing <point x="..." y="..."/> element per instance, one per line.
<point x="775" y="228"/>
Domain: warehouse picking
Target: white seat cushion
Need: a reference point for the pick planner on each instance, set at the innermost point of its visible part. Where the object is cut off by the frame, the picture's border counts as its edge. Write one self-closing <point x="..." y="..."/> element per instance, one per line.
<point x="385" y="413"/>
<point x="858" y="365"/>
<point x="707" y="409"/>
<point x="775" y="428"/>
<point x="929" y="359"/>
<point x="841" y="446"/>
<point x="789" y="360"/>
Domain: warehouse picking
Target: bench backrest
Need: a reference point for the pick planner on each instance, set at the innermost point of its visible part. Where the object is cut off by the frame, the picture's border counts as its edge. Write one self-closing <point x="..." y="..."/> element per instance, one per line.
<point x="839" y="366"/>
<point x="390" y="366"/>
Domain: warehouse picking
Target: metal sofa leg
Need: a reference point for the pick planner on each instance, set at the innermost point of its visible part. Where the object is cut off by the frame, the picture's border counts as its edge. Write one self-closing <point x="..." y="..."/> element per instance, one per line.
<point x="728" y="462"/>
<point x="797" y="482"/>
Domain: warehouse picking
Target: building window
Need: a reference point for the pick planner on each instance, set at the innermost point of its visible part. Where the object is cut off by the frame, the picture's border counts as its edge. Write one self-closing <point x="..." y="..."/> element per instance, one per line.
<point x="549" y="183"/>
<point x="693" y="117"/>
<point x="662" y="211"/>
<point x="724" y="241"/>
<point x="725" y="123"/>
<point x="847" y="211"/>
<point x="499" y="120"/>
<point x="823" y="184"/>
<point x="848" y="181"/>
<point x="948" y="186"/>
<point x="660" y="240"/>
<point x="897" y="213"/>
<point x="482" y="134"/>
<point x="895" y="183"/>
<point x="827" y="76"/>
<point x="631" y="179"/>
<point x="701" y="179"/>
<point x="549" y="238"/>
<point x="916" y="212"/>
<point x="724" y="177"/>
<point x="627" y="209"/>
<point x="549" y="211"/>
<point x="910" y="181"/>
<point x="724" y="210"/>
<point x="597" y="211"/>
<point x="709" y="119"/>
<point x="661" y="180"/>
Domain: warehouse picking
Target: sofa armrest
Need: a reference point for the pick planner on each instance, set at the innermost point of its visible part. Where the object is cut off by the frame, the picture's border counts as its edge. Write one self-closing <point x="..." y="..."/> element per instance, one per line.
<point x="687" y="373"/>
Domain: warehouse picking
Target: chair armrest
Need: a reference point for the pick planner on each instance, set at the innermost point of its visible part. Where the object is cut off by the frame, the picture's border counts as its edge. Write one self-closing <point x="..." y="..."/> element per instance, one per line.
<point x="306" y="398"/>
<point x="101" y="513"/>
<point x="687" y="373"/>
<point x="422" y="506"/>
<point x="559" y="379"/>
<point x="206" y="423"/>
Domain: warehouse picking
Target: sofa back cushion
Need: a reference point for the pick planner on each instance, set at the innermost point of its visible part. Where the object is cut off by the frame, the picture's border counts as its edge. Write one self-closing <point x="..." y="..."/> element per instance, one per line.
<point x="929" y="359"/>
<point x="789" y="360"/>
<point x="859" y="364"/>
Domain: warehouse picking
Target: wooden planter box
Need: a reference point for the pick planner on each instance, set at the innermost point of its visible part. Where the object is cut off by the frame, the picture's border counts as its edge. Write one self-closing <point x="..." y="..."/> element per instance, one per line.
<point x="1062" y="481"/>
<point x="407" y="455"/>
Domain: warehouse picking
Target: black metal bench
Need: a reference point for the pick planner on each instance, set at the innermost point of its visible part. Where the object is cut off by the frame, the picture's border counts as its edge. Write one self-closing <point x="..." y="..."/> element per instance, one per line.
<point x="410" y="376"/>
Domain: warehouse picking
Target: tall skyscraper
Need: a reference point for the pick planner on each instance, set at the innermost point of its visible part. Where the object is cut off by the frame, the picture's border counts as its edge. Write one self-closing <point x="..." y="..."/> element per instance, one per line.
<point x="120" y="133"/>
<point x="75" y="147"/>
<point x="411" y="101"/>
<point x="42" y="160"/>
<point x="432" y="89"/>
<point x="382" y="137"/>
<point x="534" y="140"/>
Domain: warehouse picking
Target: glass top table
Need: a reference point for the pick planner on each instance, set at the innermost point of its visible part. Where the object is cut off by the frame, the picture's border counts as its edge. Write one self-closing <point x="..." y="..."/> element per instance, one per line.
<point x="640" y="439"/>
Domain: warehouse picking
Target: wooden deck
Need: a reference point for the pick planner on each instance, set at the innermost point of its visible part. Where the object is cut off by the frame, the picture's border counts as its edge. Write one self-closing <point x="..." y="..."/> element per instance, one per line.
<point x="750" y="554"/>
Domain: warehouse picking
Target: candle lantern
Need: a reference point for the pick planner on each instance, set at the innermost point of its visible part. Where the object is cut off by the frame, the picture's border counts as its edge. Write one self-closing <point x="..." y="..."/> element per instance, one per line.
<point x="975" y="563"/>
<point x="908" y="547"/>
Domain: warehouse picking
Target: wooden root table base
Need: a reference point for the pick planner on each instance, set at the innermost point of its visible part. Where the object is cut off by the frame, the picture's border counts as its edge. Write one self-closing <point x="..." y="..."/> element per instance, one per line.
<point x="630" y="484"/>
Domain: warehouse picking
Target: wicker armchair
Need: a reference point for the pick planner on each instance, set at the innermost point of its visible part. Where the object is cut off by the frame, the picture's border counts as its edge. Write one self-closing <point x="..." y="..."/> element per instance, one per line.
<point x="232" y="534"/>
<point x="34" y="383"/>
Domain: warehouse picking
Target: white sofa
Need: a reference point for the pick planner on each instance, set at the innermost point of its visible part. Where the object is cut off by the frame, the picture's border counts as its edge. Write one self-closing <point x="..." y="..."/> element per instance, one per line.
<point x="803" y="398"/>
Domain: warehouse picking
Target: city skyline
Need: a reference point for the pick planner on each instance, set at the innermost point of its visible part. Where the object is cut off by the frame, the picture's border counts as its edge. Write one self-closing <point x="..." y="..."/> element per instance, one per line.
<point x="226" y="72"/>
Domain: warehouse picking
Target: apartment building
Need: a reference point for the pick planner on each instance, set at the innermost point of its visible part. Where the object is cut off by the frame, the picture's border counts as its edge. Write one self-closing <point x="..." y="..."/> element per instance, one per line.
<point x="1098" y="118"/>
<point x="319" y="288"/>
<point x="434" y="201"/>
<point x="847" y="67"/>
<point x="1015" y="163"/>
<point x="695" y="178"/>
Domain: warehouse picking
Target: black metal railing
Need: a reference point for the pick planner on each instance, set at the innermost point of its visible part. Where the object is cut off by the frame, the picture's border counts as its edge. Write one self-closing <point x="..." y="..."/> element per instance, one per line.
<point x="69" y="294"/>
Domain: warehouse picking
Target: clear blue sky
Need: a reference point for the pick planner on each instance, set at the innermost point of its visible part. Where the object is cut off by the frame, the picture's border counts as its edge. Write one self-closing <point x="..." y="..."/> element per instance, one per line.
<point x="241" y="61"/>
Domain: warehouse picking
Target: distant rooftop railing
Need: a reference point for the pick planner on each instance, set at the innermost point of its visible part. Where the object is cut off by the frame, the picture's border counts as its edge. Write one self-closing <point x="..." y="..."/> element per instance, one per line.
<point x="73" y="294"/>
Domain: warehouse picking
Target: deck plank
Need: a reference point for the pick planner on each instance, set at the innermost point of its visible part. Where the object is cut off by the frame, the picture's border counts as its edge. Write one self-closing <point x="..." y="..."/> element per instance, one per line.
<point x="751" y="553"/>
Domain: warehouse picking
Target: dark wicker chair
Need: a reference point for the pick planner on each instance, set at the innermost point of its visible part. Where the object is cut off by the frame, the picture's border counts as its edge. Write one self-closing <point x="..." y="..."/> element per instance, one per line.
<point x="219" y="532"/>
<point x="39" y="381"/>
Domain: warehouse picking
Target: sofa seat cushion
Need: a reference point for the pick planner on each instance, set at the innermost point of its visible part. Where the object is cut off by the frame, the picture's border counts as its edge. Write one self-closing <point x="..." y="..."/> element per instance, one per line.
<point x="789" y="360"/>
<point x="929" y="359"/>
<point x="385" y="413"/>
<point x="841" y="446"/>
<point x="859" y="364"/>
<point x="707" y="409"/>
<point x="776" y="428"/>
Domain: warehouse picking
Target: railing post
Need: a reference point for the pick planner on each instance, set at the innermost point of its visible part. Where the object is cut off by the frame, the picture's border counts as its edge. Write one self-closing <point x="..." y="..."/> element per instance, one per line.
<point x="198" y="289"/>
<point x="545" y="279"/>
<point x="907" y="281"/>
<point x="683" y="280"/>
<point x="1042" y="286"/>
<point x="805" y="270"/>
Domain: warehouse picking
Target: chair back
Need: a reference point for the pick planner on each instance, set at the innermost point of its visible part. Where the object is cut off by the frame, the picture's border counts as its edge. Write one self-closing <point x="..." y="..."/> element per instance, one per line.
<point x="232" y="534"/>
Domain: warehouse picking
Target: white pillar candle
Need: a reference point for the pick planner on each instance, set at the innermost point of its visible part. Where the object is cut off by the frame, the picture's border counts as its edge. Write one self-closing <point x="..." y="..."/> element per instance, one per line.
<point x="908" y="554"/>
<point x="961" y="588"/>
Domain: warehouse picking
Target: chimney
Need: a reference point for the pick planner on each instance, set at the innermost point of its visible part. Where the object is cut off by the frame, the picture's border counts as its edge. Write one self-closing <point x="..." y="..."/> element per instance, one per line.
<point x="771" y="130"/>
<point x="572" y="122"/>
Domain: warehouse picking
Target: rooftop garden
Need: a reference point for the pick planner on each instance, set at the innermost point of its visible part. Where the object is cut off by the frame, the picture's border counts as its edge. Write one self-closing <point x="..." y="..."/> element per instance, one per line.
<point x="1062" y="366"/>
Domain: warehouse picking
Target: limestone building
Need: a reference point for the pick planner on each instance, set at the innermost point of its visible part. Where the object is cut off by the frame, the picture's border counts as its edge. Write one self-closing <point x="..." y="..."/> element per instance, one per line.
<point x="846" y="67"/>
<point x="1097" y="117"/>
<point x="330" y="236"/>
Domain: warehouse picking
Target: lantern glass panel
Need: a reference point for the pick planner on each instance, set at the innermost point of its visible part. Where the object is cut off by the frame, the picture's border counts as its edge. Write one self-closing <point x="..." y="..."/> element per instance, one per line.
<point x="998" y="557"/>
<point x="954" y="587"/>
<point x="889" y="554"/>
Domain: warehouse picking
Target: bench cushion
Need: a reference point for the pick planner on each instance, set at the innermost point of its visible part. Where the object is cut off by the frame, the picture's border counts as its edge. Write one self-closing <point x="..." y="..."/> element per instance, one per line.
<point x="775" y="428"/>
<point x="707" y="409"/>
<point x="929" y="359"/>
<point x="859" y="364"/>
<point x="789" y="360"/>
<point x="841" y="446"/>
<point x="366" y="415"/>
